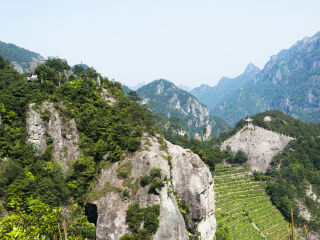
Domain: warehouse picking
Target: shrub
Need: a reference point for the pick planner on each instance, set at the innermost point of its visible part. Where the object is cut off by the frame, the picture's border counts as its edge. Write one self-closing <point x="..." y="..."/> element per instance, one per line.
<point x="155" y="172"/>
<point x="149" y="216"/>
<point x="154" y="180"/>
<point x="124" y="170"/>
<point x="240" y="157"/>
<point x="156" y="184"/>
<point x="145" y="180"/>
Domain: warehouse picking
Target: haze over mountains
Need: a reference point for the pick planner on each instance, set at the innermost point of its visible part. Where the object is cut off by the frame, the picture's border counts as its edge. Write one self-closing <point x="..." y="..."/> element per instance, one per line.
<point x="288" y="82"/>
<point x="211" y="96"/>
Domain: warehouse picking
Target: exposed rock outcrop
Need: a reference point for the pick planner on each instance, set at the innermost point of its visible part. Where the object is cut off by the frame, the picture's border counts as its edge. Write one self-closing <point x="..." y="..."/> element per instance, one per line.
<point x="107" y="97"/>
<point x="259" y="144"/>
<point x="207" y="132"/>
<point x="311" y="194"/>
<point x="303" y="210"/>
<point x="36" y="129"/>
<point x="63" y="133"/>
<point x="188" y="179"/>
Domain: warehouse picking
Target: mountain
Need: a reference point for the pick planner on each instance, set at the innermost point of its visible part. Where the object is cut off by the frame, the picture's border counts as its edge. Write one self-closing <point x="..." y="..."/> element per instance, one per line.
<point x="80" y="160"/>
<point x="185" y="87"/>
<point x="166" y="98"/>
<point x="126" y="89"/>
<point x="21" y="58"/>
<point x="139" y="85"/>
<point x="288" y="82"/>
<point x="212" y="96"/>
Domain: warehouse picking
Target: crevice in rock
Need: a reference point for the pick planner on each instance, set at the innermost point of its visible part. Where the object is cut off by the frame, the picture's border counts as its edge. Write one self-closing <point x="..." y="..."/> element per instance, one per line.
<point x="91" y="211"/>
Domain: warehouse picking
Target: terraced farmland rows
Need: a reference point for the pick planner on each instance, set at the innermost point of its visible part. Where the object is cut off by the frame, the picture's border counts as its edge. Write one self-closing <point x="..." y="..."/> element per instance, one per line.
<point x="244" y="207"/>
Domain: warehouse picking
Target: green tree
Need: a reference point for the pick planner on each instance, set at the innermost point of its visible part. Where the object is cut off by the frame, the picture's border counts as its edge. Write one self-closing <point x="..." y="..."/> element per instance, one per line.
<point x="240" y="157"/>
<point x="59" y="65"/>
<point x="3" y="63"/>
<point x="38" y="221"/>
<point x="133" y="95"/>
<point x="223" y="233"/>
<point x="78" y="69"/>
<point x="45" y="72"/>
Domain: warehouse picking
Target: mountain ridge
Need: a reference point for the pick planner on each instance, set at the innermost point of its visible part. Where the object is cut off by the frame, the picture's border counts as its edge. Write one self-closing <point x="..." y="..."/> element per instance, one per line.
<point x="288" y="82"/>
<point x="212" y="96"/>
<point x="166" y="98"/>
<point x="18" y="56"/>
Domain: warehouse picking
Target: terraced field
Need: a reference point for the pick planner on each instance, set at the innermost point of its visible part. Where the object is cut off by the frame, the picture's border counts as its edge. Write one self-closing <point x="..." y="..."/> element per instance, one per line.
<point x="244" y="207"/>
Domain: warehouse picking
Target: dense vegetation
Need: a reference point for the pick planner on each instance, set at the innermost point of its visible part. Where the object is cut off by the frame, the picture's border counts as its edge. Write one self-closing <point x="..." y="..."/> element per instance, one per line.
<point x="147" y="217"/>
<point x="30" y="181"/>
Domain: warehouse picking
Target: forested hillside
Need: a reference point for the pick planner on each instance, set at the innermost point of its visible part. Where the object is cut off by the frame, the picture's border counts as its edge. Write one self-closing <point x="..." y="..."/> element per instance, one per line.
<point x="33" y="185"/>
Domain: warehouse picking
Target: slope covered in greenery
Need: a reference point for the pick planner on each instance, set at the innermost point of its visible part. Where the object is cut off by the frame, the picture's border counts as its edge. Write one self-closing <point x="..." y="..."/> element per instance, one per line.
<point x="244" y="210"/>
<point x="29" y="181"/>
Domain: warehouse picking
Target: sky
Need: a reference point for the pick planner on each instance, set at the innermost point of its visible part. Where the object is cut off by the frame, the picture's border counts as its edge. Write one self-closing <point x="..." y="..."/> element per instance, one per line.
<point x="184" y="41"/>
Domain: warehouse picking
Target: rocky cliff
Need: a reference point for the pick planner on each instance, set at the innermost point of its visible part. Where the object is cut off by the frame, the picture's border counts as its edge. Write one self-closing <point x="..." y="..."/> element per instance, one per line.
<point x="46" y="127"/>
<point x="259" y="144"/>
<point x="185" y="179"/>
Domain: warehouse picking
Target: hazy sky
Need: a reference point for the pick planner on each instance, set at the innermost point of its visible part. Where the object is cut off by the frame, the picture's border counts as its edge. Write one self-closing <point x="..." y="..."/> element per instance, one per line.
<point x="185" y="41"/>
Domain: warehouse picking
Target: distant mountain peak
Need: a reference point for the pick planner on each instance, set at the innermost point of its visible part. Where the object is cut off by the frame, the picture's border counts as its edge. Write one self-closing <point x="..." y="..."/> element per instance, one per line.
<point x="251" y="67"/>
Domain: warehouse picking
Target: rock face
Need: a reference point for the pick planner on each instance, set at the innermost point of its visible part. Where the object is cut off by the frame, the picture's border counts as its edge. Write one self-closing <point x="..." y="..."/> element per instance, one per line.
<point x="311" y="194"/>
<point x="188" y="179"/>
<point x="207" y="133"/>
<point x="259" y="144"/>
<point x="36" y="129"/>
<point x="64" y="134"/>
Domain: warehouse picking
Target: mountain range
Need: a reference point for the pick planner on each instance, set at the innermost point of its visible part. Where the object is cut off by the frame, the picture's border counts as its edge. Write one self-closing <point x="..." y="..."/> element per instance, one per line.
<point x="288" y="82"/>
<point x="212" y="96"/>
